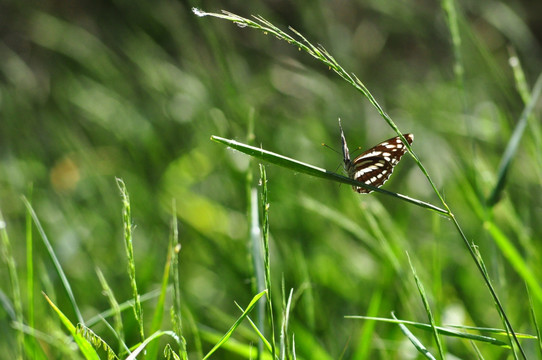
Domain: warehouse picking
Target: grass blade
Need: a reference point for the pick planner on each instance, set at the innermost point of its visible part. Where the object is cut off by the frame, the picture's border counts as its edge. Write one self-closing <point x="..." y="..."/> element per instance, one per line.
<point x="127" y="222"/>
<point x="84" y="345"/>
<point x="266" y="257"/>
<point x="56" y="263"/>
<point x="513" y="144"/>
<point x="421" y="290"/>
<point x="414" y="340"/>
<point x="441" y="330"/>
<point x="7" y="255"/>
<point x="308" y="169"/>
<point x="154" y="336"/>
<point x="228" y="334"/>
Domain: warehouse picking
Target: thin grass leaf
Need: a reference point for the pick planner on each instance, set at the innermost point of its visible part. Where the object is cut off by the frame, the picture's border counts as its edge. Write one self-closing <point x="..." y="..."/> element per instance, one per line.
<point x="421" y="290"/>
<point x="40" y="338"/>
<point x="341" y="220"/>
<point x="56" y="263"/>
<point x="30" y="275"/>
<point x="124" y="348"/>
<point x="519" y="76"/>
<point x="154" y="336"/>
<point x="266" y="256"/>
<point x="230" y="332"/>
<point x="176" y="315"/>
<point x="414" y="340"/>
<point x="453" y="26"/>
<point x="117" y="317"/>
<point x="258" y="332"/>
<point x="441" y="330"/>
<point x="96" y="341"/>
<point x="7" y="255"/>
<point x="255" y="243"/>
<point x="513" y="144"/>
<point x="535" y="321"/>
<point x="129" y="304"/>
<point x="128" y="245"/>
<point x="299" y="166"/>
<point x="515" y="259"/>
<point x="84" y="345"/>
<point x="243" y="350"/>
<point x="495" y="331"/>
<point x="254" y="237"/>
<point x="285" y="350"/>
<point x="169" y="353"/>
<point x="152" y="349"/>
<point x="363" y="346"/>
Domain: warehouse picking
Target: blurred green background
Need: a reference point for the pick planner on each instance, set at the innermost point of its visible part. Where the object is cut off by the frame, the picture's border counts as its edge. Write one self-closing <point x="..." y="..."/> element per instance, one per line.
<point x="90" y="91"/>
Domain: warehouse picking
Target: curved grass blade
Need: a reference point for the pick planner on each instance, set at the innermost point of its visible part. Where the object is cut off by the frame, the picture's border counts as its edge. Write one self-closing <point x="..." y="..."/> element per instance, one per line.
<point x="513" y="144"/>
<point x="414" y="340"/>
<point x="154" y="336"/>
<point x="427" y="308"/>
<point x="56" y="263"/>
<point x="84" y="345"/>
<point x="441" y="330"/>
<point x="236" y="324"/>
<point x="308" y="169"/>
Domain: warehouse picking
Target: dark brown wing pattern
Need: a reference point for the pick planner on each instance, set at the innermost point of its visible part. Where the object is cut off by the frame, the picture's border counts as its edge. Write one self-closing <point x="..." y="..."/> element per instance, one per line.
<point x="375" y="166"/>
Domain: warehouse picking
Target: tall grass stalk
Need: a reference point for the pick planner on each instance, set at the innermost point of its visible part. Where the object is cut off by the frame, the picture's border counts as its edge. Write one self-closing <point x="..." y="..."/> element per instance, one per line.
<point x="327" y="59"/>
<point x="266" y="256"/>
<point x="174" y="251"/>
<point x="30" y="274"/>
<point x="427" y="307"/>
<point x="7" y="255"/>
<point x="54" y="259"/>
<point x="128" y="245"/>
<point x="117" y="317"/>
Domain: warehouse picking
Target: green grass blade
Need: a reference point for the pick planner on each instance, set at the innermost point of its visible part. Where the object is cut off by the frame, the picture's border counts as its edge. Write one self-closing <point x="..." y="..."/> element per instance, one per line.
<point x="266" y="256"/>
<point x="442" y="330"/>
<point x="84" y="345"/>
<point x="265" y="342"/>
<point x="175" y="250"/>
<point x="56" y="263"/>
<point x="158" y="316"/>
<point x="117" y="317"/>
<point x="30" y="274"/>
<point x="513" y="144"/>
<point x="414" y="340"/>
<point x="308" y="169"/>
<point x="129" y="304"/>
<point x="96" y="341"/>
<point x="7" y="255"/>
<point x="286" y="346"/>
<point x="365" y="343"/>
<point x="535" y="322"/>
<point x="256" y="253"/>
<point x="228" y="334"/>
<point x="421" y="290"/>
<point x="515" y="259"/>
<point x="144" y="344"/>
<point x="128" y="245"/>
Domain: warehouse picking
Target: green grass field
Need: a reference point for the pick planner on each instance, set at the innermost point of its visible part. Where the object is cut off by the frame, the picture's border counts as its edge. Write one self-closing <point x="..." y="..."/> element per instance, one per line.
<point x="164" y="191"/>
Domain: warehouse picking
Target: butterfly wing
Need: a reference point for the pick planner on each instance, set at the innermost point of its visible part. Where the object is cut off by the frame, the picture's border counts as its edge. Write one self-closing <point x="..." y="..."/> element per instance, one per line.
<point x="375" y="166"/>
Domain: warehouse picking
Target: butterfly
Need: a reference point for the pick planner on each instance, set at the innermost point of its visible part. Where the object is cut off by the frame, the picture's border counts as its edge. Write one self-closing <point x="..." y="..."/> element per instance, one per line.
<point x="374" y="166"/>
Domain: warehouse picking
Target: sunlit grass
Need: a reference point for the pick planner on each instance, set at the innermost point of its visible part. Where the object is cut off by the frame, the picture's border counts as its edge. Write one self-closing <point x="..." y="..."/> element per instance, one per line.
<point x="86" y="100"/>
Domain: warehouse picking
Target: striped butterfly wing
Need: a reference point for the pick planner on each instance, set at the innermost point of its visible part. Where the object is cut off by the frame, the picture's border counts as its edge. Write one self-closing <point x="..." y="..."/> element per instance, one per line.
<point x="374" y="166"/>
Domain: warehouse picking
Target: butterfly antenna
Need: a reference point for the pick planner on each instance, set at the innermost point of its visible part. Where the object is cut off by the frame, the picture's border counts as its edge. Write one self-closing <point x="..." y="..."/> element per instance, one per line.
<point x="330" y="148"/>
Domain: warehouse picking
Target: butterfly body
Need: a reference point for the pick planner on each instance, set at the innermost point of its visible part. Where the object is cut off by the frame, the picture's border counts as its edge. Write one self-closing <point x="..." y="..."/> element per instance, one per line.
<point x="374" y="166"/>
